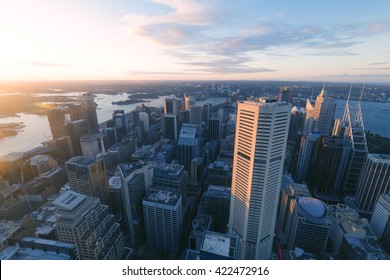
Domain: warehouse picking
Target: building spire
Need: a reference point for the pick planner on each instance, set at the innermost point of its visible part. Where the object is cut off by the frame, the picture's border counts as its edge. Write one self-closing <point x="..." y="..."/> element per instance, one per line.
<point x="323" y="90"/>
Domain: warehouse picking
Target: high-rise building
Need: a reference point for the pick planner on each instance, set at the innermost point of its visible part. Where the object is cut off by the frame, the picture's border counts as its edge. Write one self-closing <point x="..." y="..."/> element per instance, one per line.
<point x="41" y="164"/>
<point x="88" y="176"/>
<point x="285" y="94"/>
<point x="305" y="152"/>
<point x="309" y="225"/>
<point x="91" y="145"/>
<point x="324" y="109"/>
<point x="374" y="181"/>
<point x="188" y="101"/>
<point x="121" y="124"/>
<point x="136" y="183"/>
<point x="355" y="148"/>
<point x="324" y="167"/>
<point x="220" y="174"/>
<point x="57" y="118"/>
<point x="289" y="192"/>
<point x="380" y="221"/>
<point x="213" y="129"/>
<point x="206" y="112"/>
<point x="144" y="117"/>
<point x="76" y="129"/>
<point x="170" y="126"/>
<point x="346" y="223"/>
<point x="260" y="144"/>
<point x="171" y="106"/>
<point x="188" y="146"/>
<point x="84" y="221"/>
<point x="170" y="177"/>
<point x="196" y="116"/>
<point x="163" y="221"/>
<point x="89" y="107"/>
<point x="310" y="122"/>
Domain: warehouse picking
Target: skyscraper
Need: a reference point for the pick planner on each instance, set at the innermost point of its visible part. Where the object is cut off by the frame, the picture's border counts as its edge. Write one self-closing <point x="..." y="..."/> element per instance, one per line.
<point x="163" y="221"/>
<point x="89" y="107"/>
<point x="374" y="181"/>
<point x="324" y="109"/>
<point x="285" y="94"/>
<point x="84" y="221"/>
<point x="309" y="225"/>
<point x="170" y="126"/>
<point x="88" y="176"/>
<point x="188" y="146"/>
<point x="260" y="144"/>
<point x="380" y="221"/>
<point x="144" y="117"/>
<point x="355" y="147"/>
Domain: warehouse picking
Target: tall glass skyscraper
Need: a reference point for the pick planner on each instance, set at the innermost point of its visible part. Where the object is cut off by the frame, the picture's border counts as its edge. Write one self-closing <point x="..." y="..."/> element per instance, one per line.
<point x="260" y="144"/>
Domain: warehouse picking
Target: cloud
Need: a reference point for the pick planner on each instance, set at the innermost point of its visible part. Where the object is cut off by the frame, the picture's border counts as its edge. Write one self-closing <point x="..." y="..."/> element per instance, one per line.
<point x="192" y="32"/>
<point x="379" y="63"/>
<point x="45" y="64"/>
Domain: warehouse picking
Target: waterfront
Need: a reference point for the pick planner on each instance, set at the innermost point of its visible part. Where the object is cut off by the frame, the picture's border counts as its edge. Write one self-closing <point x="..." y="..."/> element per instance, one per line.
<point x="37" y="128"/>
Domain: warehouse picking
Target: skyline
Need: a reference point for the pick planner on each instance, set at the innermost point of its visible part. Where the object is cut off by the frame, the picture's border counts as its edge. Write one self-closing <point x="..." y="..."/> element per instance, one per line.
<point x="195" y="40"/>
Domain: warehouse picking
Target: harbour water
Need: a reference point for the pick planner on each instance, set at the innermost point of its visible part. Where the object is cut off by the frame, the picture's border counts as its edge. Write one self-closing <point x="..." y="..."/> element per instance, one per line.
<point x="37" y="128"/>
<point x="376" y="118"/>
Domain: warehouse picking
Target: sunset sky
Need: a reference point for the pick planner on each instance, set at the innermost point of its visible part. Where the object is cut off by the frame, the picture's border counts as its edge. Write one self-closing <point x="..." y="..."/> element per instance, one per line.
<point x="181" y="40"/>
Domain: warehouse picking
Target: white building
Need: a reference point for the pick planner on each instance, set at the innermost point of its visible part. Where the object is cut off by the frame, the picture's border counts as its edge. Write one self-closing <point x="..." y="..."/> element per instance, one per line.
<point x="260" y="144"/>
<point x="84" y="221"/>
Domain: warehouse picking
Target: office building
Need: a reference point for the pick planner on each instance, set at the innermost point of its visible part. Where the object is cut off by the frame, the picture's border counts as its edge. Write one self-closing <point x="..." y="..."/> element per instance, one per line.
<point x="199" y="226"/>
<point x="163" y="221"/>
<point x="57" y="118"/>
<point x="170" y="177"/>
<point x="188" y="146"/>
<point x="260" y="144"/>
<point x="285" y="94"/>
<point x="31" y="248"/>
<point x="309" y="225"/>
<point x="216" y="246"/>
<point x="216" y="203"/>
<point x="171" y="106"/>
<point x="41" y="164"/>
<point x="324" y="109"/>
<point x="305" y="152"/>
<point x="346" y="223"/>
<point x="169" y="126"/>
<point x="121" y="124"/>
<point x="76" y="129"/>
<point x="207" y="109"/>
<point x="89" y="107"/>
<point x="88" y="176"/>
<point x="144" y="117"/>
<point x="188" y="102"/>
<point x="220" y="174"/>
<point x="355" y="148"/>
<point x="136" y="183"/>
<point x="213" y="129"/>
<point x="91" y="145"/>
<point x="290" y="191"/>
<point x="84" y="221"/>
<point x="64" y="148"/>
<point x="310" y="121"/>
<point x="374" y="181"/>
<point x="324" y="167"/>
<point x="380" y="221"/>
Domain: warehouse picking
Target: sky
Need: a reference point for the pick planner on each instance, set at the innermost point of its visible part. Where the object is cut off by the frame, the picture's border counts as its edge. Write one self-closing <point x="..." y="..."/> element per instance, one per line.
<point x="328" y="40"/>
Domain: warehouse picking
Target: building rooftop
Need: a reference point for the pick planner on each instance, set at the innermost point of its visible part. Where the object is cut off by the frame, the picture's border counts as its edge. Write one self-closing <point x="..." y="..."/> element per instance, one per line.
<point x="129" y="167"/>
<point x="367" y="249"/>
<point x="81" y="161"/>
<point x="38" y="159"/>
<point x="218" y="191"/>
<point x="115" y="182"/>
<point x="69" y="200"/>
<point x="8" y="228"/>
<point x="350" y="222"/>
<point x="219" y="165"/>
<point x="201" y="223"/>
<point x="216" y="244"/>
<point x="312" y="209"/>
<point x="90" y="137"/>
<point x="163" y="197"/>
<point x="380" y="158"/>
<point x="188" y="131"/>
<point x="162" y="169"/>
<point x="13" y="156"/>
